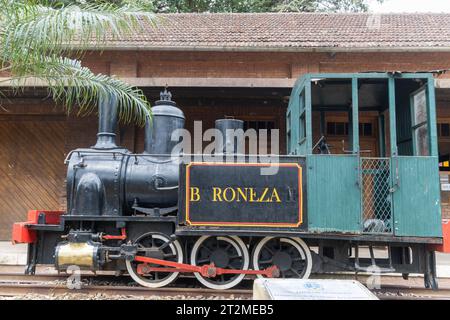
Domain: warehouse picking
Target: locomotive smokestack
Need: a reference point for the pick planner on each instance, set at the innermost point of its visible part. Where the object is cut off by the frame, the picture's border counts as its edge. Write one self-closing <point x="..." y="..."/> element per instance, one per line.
<point x="107" y="122"/>
<point x="230" y="141"/>
<point x="166" y="118"/>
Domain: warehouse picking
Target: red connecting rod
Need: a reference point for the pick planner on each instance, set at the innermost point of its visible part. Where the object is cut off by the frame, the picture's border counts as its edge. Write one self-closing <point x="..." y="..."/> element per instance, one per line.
<point x="208" y="270"/>
<point x="123" y="235"/>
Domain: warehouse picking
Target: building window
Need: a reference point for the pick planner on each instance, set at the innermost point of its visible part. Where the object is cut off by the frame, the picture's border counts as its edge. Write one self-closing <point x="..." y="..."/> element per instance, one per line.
<point x="302" y="127"/>
<point x="420" y="124"/>
<point x="337" y="128"/>
<point x="259" y="125"/>
<point x="342" y="129"/>
<point x="365" y="129"/>
<point x="443" y="129"/>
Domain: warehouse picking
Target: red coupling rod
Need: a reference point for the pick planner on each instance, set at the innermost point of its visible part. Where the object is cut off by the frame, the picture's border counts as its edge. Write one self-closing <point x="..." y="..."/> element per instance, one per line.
<point x="123" y="235"/>
<point x="208" y="270"/>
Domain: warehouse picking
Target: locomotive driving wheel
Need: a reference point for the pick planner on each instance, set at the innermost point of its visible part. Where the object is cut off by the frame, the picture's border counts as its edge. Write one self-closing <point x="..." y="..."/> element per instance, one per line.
<point x="159" y="246"/>
<point x="225" y="252"/>
<point x="291" y="255"/>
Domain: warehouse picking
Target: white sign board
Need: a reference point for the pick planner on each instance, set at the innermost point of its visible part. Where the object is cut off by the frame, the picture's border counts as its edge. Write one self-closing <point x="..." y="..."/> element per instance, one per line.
<point x="445" y="186"/>
<point x="310" y="289"/>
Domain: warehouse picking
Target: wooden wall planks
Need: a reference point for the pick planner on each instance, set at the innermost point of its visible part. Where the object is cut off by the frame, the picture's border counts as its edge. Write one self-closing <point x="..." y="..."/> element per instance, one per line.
<point x="31" y="168"/>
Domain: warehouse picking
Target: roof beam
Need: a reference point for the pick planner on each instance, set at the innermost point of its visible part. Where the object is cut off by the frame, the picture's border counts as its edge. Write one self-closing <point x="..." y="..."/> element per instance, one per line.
<point x="442" y="83"/>
<point x="204" y="82"/>
<point x="187" y="82"/>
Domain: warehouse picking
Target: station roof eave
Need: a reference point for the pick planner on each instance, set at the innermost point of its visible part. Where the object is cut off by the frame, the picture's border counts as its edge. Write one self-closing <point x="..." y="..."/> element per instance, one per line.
<point x="151" y="82"/>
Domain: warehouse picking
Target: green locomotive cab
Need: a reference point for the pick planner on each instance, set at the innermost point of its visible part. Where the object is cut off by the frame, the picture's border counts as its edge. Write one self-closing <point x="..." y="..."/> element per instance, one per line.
<point x="371" y="150"/>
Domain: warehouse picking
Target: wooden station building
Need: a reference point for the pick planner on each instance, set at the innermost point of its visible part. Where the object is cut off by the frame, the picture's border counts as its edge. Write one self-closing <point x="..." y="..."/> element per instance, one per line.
<point x="220" y="65"/>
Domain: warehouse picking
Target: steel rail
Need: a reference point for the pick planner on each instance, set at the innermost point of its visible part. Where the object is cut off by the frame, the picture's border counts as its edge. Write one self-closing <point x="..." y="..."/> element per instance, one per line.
<point x="408" y="293"/>
<point x="21" y="289"/>
<point x="19" y="284"/>
<point x="15" y="287"/>
<point x="17" y="273"/>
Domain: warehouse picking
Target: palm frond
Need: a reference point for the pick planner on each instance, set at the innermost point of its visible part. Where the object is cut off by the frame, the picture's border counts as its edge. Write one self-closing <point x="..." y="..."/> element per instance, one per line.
<point x="34" y="40"/>
<point x="77" y="87"/>
<point x="69" y="29"/>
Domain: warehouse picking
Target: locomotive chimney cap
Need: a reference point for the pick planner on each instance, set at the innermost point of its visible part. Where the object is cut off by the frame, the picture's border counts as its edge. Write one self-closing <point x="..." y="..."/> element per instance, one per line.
<point x="166" y="107"/>
<point x="165" y="95"/>
<point x="165" y="98"/>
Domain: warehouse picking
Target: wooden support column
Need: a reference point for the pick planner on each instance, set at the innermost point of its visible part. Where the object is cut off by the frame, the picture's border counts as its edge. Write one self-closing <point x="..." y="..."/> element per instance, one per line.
<point x="392" y="117"/>
<point x="431" y="107"/>
<point x="308" y="116"/>
<point x="355" y="118"/>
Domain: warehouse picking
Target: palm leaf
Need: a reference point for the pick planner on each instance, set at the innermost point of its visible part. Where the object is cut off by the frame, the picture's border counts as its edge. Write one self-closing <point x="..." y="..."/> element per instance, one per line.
<point x="71" y="28"/>
<point x="73" y="85"/>
<point x="35" y="39"/>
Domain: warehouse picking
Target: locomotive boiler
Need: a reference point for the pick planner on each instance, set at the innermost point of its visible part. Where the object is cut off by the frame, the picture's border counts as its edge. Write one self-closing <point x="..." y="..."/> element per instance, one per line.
<point x="159" y="214"/>
<point x="106" y="180"/>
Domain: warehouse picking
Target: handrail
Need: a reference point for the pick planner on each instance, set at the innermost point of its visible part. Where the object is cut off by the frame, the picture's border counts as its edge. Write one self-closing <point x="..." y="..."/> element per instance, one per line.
<point x="181" y="155"/>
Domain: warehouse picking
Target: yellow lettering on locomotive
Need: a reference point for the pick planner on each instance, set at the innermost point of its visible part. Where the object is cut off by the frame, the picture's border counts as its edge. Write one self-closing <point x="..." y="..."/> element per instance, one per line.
<point x="275" y="195"/>
<point x="195" y="194"/>
<point x="252" y="195"/>
<point x="229" y="194"/>
<point x="217" y="194"/>
<point x="261" y="198"/>
<point x="241" y="194"/>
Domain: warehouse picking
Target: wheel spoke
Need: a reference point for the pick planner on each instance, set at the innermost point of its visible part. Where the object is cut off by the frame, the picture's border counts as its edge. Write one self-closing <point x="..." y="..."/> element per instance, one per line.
<point x="207" y="249"/>
<point x="203" y="260"/>
<point x="269" y="249"/>
<point x="296" y="273"/>
<point x="266" y="261"/>
<point x="163" y="246"/>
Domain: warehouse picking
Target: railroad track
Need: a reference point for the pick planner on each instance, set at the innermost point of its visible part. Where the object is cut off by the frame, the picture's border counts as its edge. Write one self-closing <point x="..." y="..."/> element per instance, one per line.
<point x="18" y="284"/>
<point x="22" y="289"/>
<point x="408" y="293"/>
<point x="13" y="284"/>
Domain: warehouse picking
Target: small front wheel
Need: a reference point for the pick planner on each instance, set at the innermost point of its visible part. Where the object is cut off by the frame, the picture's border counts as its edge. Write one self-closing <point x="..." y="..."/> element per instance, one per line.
<point x="159" y="246"/>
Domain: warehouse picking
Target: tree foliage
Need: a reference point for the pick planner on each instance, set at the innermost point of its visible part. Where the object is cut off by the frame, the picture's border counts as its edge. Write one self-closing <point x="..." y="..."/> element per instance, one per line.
<point x="214" y="6"/>
<point x="323" y="5"/>
<point x="260" y="5"/>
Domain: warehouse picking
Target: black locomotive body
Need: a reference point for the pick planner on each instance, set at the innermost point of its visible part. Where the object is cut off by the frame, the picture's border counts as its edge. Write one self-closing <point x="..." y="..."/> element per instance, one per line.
<point x="159" y="214"/>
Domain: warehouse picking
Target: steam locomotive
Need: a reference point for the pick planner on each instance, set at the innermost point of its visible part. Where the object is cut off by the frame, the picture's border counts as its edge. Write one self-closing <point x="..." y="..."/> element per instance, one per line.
<point x="160" y="214"/>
